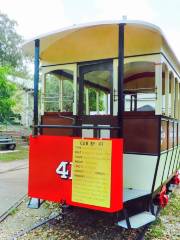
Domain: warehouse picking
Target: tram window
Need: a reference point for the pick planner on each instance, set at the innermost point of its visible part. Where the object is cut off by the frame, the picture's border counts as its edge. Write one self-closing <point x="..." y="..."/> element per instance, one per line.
<point x="140" y="94"/>
<point x="58" y="94"/>
<point x="97" y="82"/>
<point x="140" y="101"/>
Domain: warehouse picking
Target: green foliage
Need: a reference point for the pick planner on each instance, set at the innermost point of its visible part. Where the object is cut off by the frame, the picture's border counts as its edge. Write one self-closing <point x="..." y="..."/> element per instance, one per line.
<point x="168" y="216"/>
<point x="7" y="90"/>
<point x="13" y="211"/>
<point x="156" y="231"/>
<point x="174" y="206"/>
<point x="22" y="153"/>
<point x="52" y="90"/>
<point x="10" y="47"/>
<point x="92" y="100"/>
<point x="9" y="42"/>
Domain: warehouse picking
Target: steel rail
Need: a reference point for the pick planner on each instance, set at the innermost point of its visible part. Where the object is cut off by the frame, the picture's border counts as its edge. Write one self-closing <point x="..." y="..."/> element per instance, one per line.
<point x="14" y="206"/>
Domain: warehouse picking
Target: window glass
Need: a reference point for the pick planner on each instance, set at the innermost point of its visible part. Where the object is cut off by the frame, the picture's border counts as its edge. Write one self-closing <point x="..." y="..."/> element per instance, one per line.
<point x="58" y="91"/>
<point x="97" y="88"/>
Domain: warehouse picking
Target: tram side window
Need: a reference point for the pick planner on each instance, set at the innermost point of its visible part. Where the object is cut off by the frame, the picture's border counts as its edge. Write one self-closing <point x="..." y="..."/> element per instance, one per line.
<point x="97" y="82"/>
<point x="140" y="95"/>
<point x="58" y="96"/>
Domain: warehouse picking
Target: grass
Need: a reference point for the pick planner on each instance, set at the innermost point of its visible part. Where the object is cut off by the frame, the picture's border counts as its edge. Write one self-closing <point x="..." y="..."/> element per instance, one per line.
<point x="22" y="153"/>
<point x="13" y="211"/>
<point x="159" y="230"/>
<point x="174" y="206"/>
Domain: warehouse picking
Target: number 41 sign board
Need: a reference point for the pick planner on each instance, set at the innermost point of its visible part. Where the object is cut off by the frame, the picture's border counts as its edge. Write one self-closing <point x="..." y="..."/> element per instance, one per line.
<point x="79" y="172"/>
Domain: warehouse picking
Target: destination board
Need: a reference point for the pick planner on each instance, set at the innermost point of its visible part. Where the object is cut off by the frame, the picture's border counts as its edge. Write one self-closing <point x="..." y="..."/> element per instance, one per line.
<point x="91" y="173"/>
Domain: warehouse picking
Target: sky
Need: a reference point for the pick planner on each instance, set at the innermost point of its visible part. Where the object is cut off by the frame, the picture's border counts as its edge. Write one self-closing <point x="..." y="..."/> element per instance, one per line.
<point x="35" y="17"/>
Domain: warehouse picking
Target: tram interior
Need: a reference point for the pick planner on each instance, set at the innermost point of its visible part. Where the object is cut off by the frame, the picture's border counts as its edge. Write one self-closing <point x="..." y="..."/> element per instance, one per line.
<point x="99" y="102"/>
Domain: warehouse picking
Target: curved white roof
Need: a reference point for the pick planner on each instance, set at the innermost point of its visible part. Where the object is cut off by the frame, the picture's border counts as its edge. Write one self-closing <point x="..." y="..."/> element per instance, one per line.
<point x="91" y="24"/>
<point x="50" y="38"/>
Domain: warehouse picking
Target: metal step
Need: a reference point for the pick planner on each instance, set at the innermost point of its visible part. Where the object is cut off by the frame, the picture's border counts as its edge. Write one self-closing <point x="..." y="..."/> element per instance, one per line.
<point x="138" y="220"/>
<point x="35" y="203"/>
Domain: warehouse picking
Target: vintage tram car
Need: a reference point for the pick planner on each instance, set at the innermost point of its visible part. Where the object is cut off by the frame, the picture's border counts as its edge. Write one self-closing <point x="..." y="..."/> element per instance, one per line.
<point x="107" y="137"/>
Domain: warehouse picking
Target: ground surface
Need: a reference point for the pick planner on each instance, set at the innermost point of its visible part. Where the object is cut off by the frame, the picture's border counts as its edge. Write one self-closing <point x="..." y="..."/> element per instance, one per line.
<point x="78" y="224"/>
<point x="13" y="183"/>
<point x="86" y="225"/>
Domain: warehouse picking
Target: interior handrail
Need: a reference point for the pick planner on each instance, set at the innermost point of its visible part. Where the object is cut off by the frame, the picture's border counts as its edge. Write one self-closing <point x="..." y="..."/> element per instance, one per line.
<point x="77" y="127"/>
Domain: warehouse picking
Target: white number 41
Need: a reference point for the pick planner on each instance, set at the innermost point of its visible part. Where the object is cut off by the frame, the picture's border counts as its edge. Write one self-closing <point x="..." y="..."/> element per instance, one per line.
<point x="63" y="171"/>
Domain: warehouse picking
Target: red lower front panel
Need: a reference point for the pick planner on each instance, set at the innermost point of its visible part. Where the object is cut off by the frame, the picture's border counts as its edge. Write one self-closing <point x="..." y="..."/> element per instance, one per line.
<point x="50" y="171"/>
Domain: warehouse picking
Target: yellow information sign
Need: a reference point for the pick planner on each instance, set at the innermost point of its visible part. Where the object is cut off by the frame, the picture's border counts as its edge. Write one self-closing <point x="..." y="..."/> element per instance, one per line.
<point x="91" y="178"/>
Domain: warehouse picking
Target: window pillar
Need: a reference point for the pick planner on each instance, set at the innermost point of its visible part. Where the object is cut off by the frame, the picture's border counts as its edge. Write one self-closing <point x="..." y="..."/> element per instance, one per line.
<point x="75" y="90"/>
<point x="158" y="86"/>
<point x="36" y="85"/>
<point x="167" y="92"/>
<point x="106" y="103"/>
<point x="87" y="101"/>
<point x="176" y="98"/>
<point x="179" y="102"/>
<point x="43" y="93"/>
<point x="61" y="95"/>
<point x="97" y="102"/>
<point x="172" y="96"/>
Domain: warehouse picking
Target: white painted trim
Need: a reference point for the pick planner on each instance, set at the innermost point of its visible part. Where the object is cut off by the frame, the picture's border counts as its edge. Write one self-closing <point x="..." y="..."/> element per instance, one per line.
<point x="97" y="102"/>
<point x="172" y="82"/>
<point x="158" y="87"/>
<point x="42" y="93"/>
<point x="87" y="100"/>
<point x="61" y="95"/>
<point x="115" y="87"/>
<point x="167" y="92"/>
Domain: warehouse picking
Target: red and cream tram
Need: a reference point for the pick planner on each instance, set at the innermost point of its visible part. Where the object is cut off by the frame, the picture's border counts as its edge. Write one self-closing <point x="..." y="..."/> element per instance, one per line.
<point x="107" y="136"/>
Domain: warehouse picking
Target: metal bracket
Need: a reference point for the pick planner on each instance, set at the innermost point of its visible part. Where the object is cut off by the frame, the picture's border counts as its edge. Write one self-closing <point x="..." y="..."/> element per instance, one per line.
<point x="35" y="203"/>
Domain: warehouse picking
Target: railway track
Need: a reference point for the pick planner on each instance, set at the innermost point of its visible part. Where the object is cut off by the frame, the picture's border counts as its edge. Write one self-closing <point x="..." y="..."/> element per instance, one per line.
<point x="55" y="216"/>
<point x="13" y="207"/>
<point x="36" y="225"/>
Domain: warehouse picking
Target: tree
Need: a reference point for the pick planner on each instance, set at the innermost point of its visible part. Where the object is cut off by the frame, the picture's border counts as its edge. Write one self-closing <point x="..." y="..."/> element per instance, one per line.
<point x="7" y="90"/>
<point x="92" y="100"/>
<point x="10" y="46"/>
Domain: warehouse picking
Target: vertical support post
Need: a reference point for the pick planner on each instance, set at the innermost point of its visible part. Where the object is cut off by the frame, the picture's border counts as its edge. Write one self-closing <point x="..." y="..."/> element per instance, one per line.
<point x="158" y="80"/>
<point x="97" y="102"/>
<point x="43" y="96"/>
<point x="167" y="92"/>
<point x="36" y="83"/>
<point x="121" y="78"/>
<point x="75" y="91"/>
<point x="106" y="103"/>
<point x="177" y="98"/>
<point x="172" y="96"/>
<point x="179" y="104"/>
<point x="87" y="101"/>
<point x="61" y="95"/>
<point x="81" y="93"/>
<point x="115" y="87"/>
